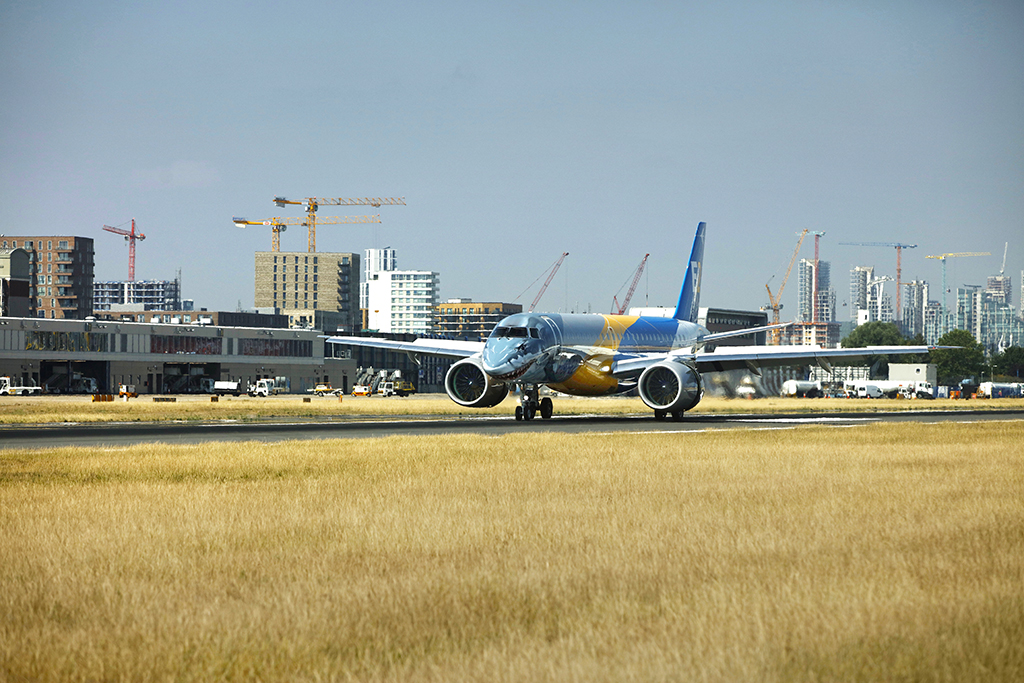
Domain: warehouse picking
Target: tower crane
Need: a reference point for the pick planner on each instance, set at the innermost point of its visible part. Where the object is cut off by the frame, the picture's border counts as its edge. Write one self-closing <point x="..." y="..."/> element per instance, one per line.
<point x="942" y="259"/>
<point x="773" y="300"/>
<point x="899" y="268"/>
<point x="130" y="237"/>
<point x="313" y="203"/>
<point x="279" y="225"/>
<point x="621" y="308"/>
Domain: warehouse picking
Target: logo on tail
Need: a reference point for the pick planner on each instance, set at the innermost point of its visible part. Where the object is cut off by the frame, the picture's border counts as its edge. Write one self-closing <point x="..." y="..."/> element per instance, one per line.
<point x="689" y="296"/>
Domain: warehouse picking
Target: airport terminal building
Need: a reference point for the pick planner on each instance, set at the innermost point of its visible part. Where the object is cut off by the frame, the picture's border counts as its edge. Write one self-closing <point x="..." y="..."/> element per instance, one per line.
<point x="157" y="358"/>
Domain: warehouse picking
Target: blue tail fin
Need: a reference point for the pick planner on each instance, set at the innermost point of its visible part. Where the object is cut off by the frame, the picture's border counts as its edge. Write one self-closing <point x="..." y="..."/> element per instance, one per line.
<point x="689" y="296"/>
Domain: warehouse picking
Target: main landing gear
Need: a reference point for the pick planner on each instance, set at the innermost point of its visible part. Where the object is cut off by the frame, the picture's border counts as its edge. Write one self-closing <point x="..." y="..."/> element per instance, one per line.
<point x="530" y="404"/>
<point x="677" y="415"/>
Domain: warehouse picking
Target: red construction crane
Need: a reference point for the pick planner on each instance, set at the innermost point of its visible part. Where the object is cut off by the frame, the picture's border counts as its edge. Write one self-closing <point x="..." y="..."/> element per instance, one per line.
<point x="129" y="237"/>
<point x="899" y="268"/>
<point x="554" y="269"/>
<point x="618" y="308"/>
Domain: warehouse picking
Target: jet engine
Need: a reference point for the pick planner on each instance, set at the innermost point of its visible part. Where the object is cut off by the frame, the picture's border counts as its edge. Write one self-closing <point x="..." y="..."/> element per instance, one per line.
<point x="670" y="386"/>
<point x="468" y="385"/>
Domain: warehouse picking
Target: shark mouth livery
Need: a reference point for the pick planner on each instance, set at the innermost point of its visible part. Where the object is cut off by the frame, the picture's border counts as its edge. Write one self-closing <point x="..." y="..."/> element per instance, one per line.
<point x="663" y="359"/>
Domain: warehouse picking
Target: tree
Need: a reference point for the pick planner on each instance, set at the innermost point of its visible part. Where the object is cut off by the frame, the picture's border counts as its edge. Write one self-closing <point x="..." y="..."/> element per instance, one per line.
<point x="956" y="365"/>
<point x="1010" y="363"/>
<point x="874" y="333"/>
<point x="878" y="333"/>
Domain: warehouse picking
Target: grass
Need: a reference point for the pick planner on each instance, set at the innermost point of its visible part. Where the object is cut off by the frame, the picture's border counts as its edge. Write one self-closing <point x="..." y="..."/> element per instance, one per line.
<point x="50" y="409"/>
<point x="882" y="552"/>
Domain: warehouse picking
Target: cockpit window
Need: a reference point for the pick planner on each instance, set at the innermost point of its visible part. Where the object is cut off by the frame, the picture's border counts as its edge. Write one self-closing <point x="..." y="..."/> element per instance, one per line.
<point x="515" y="332"/>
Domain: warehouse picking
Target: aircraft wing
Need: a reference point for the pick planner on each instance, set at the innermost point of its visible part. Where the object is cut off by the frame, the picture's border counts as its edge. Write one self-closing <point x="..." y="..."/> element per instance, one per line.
<point x="755" y="357"/>
<point x="430" y="347"/>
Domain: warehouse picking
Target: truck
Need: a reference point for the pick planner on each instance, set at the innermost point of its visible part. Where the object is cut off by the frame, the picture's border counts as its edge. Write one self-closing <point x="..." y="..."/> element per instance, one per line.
<point x="801" y="389"/>
<point x="1000" y="390"/>
<point x="265" y="388"/>
<point x="235" y="387"/>
<point x="9" y="388"/>
<point x="396" y="388"/>
<point x="886" y="388"/>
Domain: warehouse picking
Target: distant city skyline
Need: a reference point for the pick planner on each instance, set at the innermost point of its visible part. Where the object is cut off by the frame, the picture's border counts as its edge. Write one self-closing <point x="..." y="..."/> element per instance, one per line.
<point x="518" y="132"/>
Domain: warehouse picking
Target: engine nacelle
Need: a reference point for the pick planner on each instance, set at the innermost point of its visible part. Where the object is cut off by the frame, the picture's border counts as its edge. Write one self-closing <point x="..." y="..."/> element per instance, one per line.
<point x="671" y="386"/>
<point x="468" y="385"/>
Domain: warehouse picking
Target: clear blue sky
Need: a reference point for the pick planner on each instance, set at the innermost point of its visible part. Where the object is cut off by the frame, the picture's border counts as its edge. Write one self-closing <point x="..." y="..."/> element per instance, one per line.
<point x="516" y="131"/>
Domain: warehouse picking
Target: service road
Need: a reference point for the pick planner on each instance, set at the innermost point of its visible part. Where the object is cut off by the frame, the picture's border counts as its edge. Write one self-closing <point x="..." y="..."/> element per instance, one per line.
<point x="122" y="434"/>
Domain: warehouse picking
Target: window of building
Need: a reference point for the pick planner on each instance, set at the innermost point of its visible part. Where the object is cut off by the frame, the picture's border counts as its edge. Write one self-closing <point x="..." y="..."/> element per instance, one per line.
<point x="63" y="244"/>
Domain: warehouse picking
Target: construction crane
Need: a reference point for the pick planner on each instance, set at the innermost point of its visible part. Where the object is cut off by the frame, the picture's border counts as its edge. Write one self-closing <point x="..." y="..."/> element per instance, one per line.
<point x="313" y="203"/>
<point x="279" y="225"/>
<point x="942" y="259"/>
<point x="773" y="300"/>
<point x="899" y="268"/>
<point x="554" y="269"/>
<point x="130" y="237"/>
<point x="621" y="308"/>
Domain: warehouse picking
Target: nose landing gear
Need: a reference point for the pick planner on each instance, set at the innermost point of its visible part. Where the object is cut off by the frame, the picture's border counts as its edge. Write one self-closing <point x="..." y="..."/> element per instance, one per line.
<point x="530" y="404"/>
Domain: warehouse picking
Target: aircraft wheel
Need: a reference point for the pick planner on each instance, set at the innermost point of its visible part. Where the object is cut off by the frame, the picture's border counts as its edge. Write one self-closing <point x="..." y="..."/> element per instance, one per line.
<point x="547" y="409"/>
<point x="659" y="414"/>
<point x="529" y="410"/>
<point x="519" y="413"/>
<point x="677" y="415"/>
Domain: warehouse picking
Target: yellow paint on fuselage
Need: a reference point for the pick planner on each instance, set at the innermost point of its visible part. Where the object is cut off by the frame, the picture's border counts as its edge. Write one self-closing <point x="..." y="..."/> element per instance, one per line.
<point x="614" y="327"/>
<point x="592" y="378"/>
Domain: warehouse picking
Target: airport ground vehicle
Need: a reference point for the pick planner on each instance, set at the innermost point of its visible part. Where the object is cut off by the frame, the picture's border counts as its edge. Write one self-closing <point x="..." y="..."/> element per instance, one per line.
<point x="1000" y="390"/>
<point x="324" y="390"/>
<point x="233" y="387"/>
<point x="8" y="388"/>
<point x="361" y="390"/>
<point x="801" y="389"/>
<point x="399" y="388"/>
<point x="127" y="391"/>
<point x="266" y="387"/>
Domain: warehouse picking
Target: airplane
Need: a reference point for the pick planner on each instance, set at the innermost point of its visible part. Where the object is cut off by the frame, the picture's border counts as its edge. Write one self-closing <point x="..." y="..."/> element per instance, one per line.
<point x="593" y="354"/>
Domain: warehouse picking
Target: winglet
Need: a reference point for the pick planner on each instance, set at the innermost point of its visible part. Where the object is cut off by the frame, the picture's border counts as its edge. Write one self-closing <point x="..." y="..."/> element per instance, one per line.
<point x="689" y="295"/>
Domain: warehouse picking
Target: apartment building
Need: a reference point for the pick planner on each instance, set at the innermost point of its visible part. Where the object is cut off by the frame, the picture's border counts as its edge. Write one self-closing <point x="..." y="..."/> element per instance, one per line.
<point x="60" y="274"/>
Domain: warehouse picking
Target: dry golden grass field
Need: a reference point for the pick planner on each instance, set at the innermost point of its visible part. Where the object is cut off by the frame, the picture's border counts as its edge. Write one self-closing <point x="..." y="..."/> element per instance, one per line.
<point x="875" y="553"/>
<point x="43" y="409"/>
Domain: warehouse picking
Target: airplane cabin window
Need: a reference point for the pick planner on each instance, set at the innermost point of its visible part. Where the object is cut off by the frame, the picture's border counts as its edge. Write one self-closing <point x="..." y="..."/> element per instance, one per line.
<point x="535" y="333"/>
<point x="517" y="331"/>
<point x="500" y="332"/>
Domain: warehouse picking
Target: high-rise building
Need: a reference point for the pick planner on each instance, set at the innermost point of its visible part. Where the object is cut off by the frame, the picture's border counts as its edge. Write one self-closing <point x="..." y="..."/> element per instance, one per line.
<point x="60" y="274"/>
<point x="375" y="261"/>
<point x="146" y="295"/>
<point x="298" y="284"/>
<point x="402" y="301"/>
<point x="999" y="290"/>
<point x="821" y="309"/>
<point x="915" y="301"/>
<point x="860" y="279"/>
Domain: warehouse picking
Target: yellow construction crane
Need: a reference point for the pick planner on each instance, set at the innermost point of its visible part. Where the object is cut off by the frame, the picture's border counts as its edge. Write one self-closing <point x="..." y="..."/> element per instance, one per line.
<point x="942" y="259"/>
<point x="773" y="300"/>
<point x="313" y="203"/>
<point x="279" y="225"/>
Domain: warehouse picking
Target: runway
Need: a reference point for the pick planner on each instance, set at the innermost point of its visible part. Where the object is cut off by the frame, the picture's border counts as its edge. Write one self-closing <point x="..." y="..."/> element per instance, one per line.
<point x="123" y="434"/>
